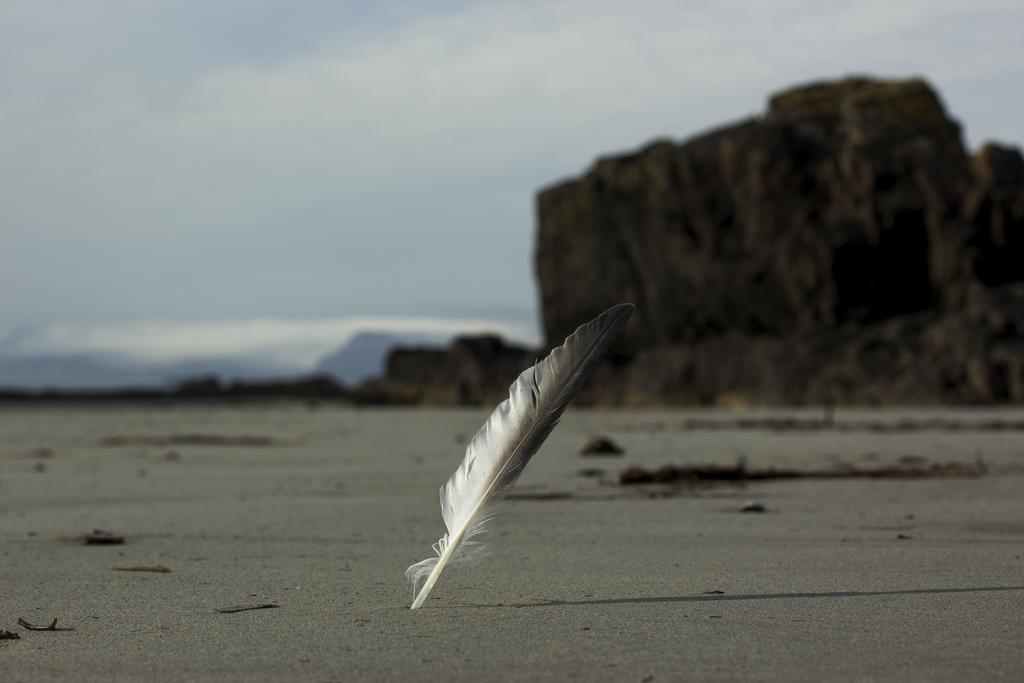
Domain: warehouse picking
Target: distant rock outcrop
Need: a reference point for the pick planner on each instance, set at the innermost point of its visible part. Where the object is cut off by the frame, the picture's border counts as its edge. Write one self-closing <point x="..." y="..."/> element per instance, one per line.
<point x="364" y="355"/>
<point x="842" y="247"/>
<point x="472" y="371"/>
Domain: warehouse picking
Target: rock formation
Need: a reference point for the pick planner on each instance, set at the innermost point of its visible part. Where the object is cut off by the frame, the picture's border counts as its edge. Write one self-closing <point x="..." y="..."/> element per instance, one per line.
<point x="841" y="247"/>
<point x="472" y="371"/>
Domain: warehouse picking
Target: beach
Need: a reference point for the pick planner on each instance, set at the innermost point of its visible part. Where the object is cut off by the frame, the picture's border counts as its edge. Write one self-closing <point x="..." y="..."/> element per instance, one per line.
<point x="317" y="510"/>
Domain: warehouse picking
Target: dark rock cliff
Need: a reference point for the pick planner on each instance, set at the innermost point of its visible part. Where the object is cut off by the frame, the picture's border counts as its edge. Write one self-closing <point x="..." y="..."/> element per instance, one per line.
<point x="841" y="247"/>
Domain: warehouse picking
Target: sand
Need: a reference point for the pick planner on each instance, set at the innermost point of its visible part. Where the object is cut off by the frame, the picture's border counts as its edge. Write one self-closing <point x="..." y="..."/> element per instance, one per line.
<point x="320" y="510"/>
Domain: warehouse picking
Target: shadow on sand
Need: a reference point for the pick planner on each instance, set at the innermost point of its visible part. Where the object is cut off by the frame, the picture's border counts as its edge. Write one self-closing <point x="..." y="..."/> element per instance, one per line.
<point x="755" y="596"/>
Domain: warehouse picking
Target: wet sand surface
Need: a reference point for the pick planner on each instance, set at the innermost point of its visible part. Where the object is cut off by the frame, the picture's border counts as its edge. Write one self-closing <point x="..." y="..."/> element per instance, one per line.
<point x="320" y="510"/>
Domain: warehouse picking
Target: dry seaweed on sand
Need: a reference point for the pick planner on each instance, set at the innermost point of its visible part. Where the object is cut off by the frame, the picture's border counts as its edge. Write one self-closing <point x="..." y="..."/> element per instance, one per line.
<point x="681" y="474"/>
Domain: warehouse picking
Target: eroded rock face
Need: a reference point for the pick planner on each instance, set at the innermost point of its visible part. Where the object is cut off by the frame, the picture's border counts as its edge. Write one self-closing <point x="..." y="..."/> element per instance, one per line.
<point x="994" y="208"/>
<point x="811" y="254"/>
<point x="833" y="207"/>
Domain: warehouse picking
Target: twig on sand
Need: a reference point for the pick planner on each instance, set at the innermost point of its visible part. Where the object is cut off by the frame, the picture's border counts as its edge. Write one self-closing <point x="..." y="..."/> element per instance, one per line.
<point x="158" y="568"/>
<point x="244" y="608"/>
<point x="35" y="627"/>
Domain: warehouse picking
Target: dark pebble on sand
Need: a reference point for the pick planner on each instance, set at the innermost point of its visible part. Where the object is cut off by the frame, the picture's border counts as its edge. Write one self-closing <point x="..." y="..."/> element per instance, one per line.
<point x="601" y="445"/>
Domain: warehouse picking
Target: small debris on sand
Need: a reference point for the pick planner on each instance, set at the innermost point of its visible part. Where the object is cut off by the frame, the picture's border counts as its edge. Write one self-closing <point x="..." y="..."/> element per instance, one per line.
<point x="157" y="568"/>
<point x="592" y="472"/>
<point x="601" y="445"/>
<point x="245" y="608"/>
<point x="752" y="506"/>
<point x="102" y="537"/>
<point x="8" y="635"/>
<point x="52" y="626"/>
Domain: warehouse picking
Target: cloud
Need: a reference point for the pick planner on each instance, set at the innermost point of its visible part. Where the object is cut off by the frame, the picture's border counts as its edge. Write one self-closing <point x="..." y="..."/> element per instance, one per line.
<point x="177" y="163"/>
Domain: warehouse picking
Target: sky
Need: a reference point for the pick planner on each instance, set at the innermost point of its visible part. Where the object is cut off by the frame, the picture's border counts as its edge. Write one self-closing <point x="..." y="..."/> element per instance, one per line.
<point x="181" y="177"/>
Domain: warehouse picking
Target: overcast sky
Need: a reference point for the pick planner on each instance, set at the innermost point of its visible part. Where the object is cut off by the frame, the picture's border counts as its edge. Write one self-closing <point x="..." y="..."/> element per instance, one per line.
<point x="175" y="163"/>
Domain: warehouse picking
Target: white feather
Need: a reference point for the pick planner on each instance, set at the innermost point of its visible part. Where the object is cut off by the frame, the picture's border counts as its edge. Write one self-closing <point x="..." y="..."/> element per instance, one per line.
<point x="496" y="456"/>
